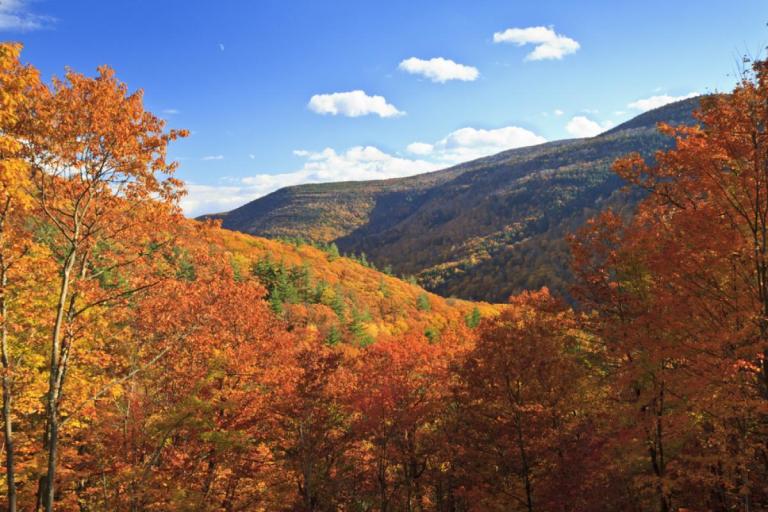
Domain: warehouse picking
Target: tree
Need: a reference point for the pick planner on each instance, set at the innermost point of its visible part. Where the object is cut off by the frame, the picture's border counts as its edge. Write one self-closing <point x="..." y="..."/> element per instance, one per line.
<point x="525" y="395"/>
<point x="642" y="356"/>
<point x="473" y="318"/>
<point x="422" y="302"/>
<point x="333" y="252"/>
<point x="19" y="85"/>
<point x="357" y="328"/>
<point x="313" y="420"/>
<point x="681" y="297"/>
<point x="102" y="183"/>
<point x="399" y="397"/>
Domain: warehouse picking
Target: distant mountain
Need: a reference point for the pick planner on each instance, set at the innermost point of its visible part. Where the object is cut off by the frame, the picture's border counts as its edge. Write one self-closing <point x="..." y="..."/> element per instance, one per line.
<point x="480" y="230"/>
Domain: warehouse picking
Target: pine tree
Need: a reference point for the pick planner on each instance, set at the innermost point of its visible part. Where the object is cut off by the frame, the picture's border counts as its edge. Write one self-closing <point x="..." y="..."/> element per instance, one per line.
<point x="333" y="252"/>
<point x="422" y="302"/>
<point x="473" y="318"/>
<point x="357" y="328"/>
<point x="337" y="304"/>
<point x="333" y="337"/>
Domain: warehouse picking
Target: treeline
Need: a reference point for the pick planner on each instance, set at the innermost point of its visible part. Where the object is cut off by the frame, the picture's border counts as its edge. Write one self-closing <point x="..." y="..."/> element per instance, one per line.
<point x="145" y="366"/>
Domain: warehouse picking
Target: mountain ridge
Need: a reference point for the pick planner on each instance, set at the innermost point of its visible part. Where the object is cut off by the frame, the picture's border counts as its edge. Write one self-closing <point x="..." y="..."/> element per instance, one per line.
<point x="461" y="229"/>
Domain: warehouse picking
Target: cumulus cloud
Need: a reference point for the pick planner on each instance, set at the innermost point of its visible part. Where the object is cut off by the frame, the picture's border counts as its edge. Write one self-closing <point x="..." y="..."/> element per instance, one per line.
<point x="419" y="148"/>
<point x="469" y="143"/>
<point x="558" y="112"/>
<point x="658" y="101"/>
<point x="15" y="15"/>
<point x="352" y="104"/>
<point x="202" y="199"/>
<point x="213" y="157"/>
<point x="355" y="164"/>
<point x="359" y="163"/>
<point x="582" y="126"/>
<point x="439" y="69"/>
<point x="547" y="43"/>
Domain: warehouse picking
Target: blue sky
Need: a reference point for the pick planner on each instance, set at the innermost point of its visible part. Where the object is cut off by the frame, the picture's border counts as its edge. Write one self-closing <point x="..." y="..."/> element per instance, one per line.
<point x="278" y="92"/>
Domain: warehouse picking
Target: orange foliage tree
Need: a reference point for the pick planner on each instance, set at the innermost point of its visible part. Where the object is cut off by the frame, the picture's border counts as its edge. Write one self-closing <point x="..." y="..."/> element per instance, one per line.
<point x="99" y="180"/>
<point x="399" y="401"/>
<point x="681" y="293"/>
<point x="19" y="86"/>
<point x="526" y="396"/>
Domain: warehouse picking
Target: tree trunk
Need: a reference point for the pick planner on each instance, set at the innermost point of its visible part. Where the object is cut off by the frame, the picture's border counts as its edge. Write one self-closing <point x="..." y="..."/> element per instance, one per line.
<point x="526" y="470"/>
<point x="10" y="454"/>
<point x="56" y="372"/>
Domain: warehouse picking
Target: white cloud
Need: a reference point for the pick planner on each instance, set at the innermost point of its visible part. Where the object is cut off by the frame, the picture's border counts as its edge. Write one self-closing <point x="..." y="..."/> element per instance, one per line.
<point x="582" y="126"/>
<point x="252" y="156"/>
<point x="167" y="111"/>
<point x="469" y="143"/>
<point x="420" y="148"/>
<point x="359" y="163"/>
<point x="15" y="15"/>
<point x="558" y="112"/>
<point x="439" y="69"/>
<point x="352" y="104"/>
<point x="355" y="164"/>
<point x="201" y="199"/>
<point x="548" y="43"/>
<point x="213" y="157"/>
<point x="658" y="101"/>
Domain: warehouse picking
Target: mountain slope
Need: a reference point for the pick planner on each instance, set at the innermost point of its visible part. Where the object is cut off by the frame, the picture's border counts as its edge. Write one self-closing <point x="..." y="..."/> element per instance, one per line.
<point x="311" y="286"/>
<point x="480" y="230"/>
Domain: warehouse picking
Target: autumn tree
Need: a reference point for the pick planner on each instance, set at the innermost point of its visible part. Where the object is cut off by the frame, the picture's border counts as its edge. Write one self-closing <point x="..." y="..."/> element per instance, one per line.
<point x="101" y="181"/>
<point x="682" y="289"/>
<point x="525" y="397"/>
<point x="19" y="85"/>
<point x="643" y="360"/>
<point x="313" y="423"/>
<point x="399" y="399"/>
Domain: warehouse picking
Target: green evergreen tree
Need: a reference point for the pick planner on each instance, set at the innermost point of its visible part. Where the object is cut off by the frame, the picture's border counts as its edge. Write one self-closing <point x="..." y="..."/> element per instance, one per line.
<point x="301" y="280"/>
<point x="337" y="304"/>
<point x="284" y="289"/>
<point x="473" y="318"/>
<point x="422" y="302"/>
<point x="319" y="291"/>
<point x="333" y="337"/>
<point x="357" y="328"/>
<point x="264" y="270"/>
<point x="333" y="252"/>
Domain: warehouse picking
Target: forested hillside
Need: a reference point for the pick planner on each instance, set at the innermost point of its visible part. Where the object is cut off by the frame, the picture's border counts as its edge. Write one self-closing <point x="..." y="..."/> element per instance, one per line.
<point x="481" y="230"/>
<point x="344" y="300"/>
